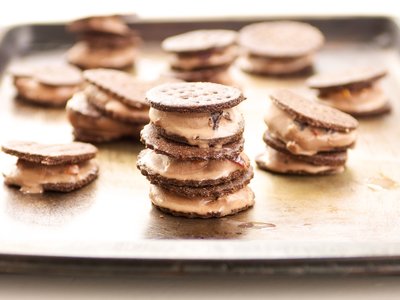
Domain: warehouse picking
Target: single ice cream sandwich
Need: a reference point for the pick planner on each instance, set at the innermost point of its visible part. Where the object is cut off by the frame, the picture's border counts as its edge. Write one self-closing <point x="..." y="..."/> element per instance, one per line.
<point x="202" y="55"/>
<point x="356" y="91"/>
<point x="195" y="150"/>
<point x="90" y="125"/>
<point x="47" y="85"/>
<point x="305" y="137"/>
<point x="279" y="48"/>
<point x="104" y="42"/>
<point x="50" y="167"/>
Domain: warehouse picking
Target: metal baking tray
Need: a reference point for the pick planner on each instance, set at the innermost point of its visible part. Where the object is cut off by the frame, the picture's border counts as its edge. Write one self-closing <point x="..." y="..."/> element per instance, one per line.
<point x="342" y="224"/>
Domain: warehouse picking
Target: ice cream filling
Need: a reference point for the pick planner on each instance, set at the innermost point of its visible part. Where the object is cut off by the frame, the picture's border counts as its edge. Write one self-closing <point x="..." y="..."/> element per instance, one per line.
<point x="192" y="170"/>
<point x="281" y="163"/>
<point x="199" y="128"/>
<point x="31" y="177"/>
<point x="222" y="206"/>
<point x="301" y="138"/>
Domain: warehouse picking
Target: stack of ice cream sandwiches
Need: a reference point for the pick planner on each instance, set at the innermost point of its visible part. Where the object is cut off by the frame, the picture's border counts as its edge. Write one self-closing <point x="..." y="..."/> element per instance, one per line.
<point x="194" y="157"/>
<point x="104" y="42"/>
<point x="305" y="137"/>
<point x="202" y="55"/>
<point x="111" y="106"/>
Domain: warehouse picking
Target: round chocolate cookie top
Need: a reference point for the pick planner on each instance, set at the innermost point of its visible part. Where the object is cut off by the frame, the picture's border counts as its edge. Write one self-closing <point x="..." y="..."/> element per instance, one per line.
<point x="49" y="74"/>
<point x="311" y="112"/>
<point x="280" y="39"/>
<point x="356" y="75"/>
<point x="194" y="97"/>
<point x="130" y="90"/>
<point x="199" y="40"/>
<point x="50" y="154"/>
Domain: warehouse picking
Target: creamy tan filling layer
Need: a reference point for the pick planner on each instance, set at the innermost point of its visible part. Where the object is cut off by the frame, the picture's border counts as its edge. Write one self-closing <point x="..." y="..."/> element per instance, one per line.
<point x="32" y="176"/>
<point x="282" y="163"/>
<point x="365" y="100"/>
<point x="278" y="66"/>
<point x="302" y="138"/>
<point x="191" y="170"/>
<point x="224" y="205"/>
<point x="32" y="89"/>
<point x="198" y="128"/>
<point x="196" y="60"/>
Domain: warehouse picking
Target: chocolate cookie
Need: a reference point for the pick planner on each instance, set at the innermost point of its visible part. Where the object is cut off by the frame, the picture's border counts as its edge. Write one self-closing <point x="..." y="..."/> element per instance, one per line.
<point x="112" y="24"/>
<point x="163" y="170"/>
<point x="218" y="74"/>
<point x="311" y="112"/>
<point x="127" y="89"/>
<point x="50" y="154"/>
<point x="152" y="140"/>
<point x="361" y="76"/>
<point x="196" y="97"/>
<point x="199" y="40"/>
<point x="280" y="39"/>
<point x="201" y="207"/>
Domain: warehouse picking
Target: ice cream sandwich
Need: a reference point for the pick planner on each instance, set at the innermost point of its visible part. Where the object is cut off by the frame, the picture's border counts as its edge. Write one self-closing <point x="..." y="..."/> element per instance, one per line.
<point x="202" y="55"/>
<point x="195" y="160"/>
<point x="305" y="137"/>
<point x="50" y="167"/>
<point x="104" y="42"/>
<point x="356" y="91"/>
<point x="279" y="48"/>
<point x="112" y="106"/>
<point x="47" y="84"/>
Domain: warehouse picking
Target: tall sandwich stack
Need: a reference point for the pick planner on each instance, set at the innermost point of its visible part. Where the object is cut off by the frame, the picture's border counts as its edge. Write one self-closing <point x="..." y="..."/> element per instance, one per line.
<point x="194" y="157"/>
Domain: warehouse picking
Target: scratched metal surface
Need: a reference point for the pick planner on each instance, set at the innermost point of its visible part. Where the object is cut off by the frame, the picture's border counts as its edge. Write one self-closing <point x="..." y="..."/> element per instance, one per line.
<point x="346" y="216"/>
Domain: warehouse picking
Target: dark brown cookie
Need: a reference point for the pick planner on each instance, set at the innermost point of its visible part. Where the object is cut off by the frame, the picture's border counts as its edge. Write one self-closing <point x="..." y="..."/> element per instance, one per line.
<point x="195" y="97"/>
<point x="108" y="104"/>
<point x="154" y="177"/>
<point x="280" y="39"/>
<point x="152" y="140"/>
<point x="49" y="74"/>
<point x="336" y="158"/>
<point x="311" y="112"/>
<point x="50" y="154"/>
<point x="347" y="78"/>
<point x="126" y="88"/>
<point x="199" y="40"/>
<point x="210" y="142"/>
